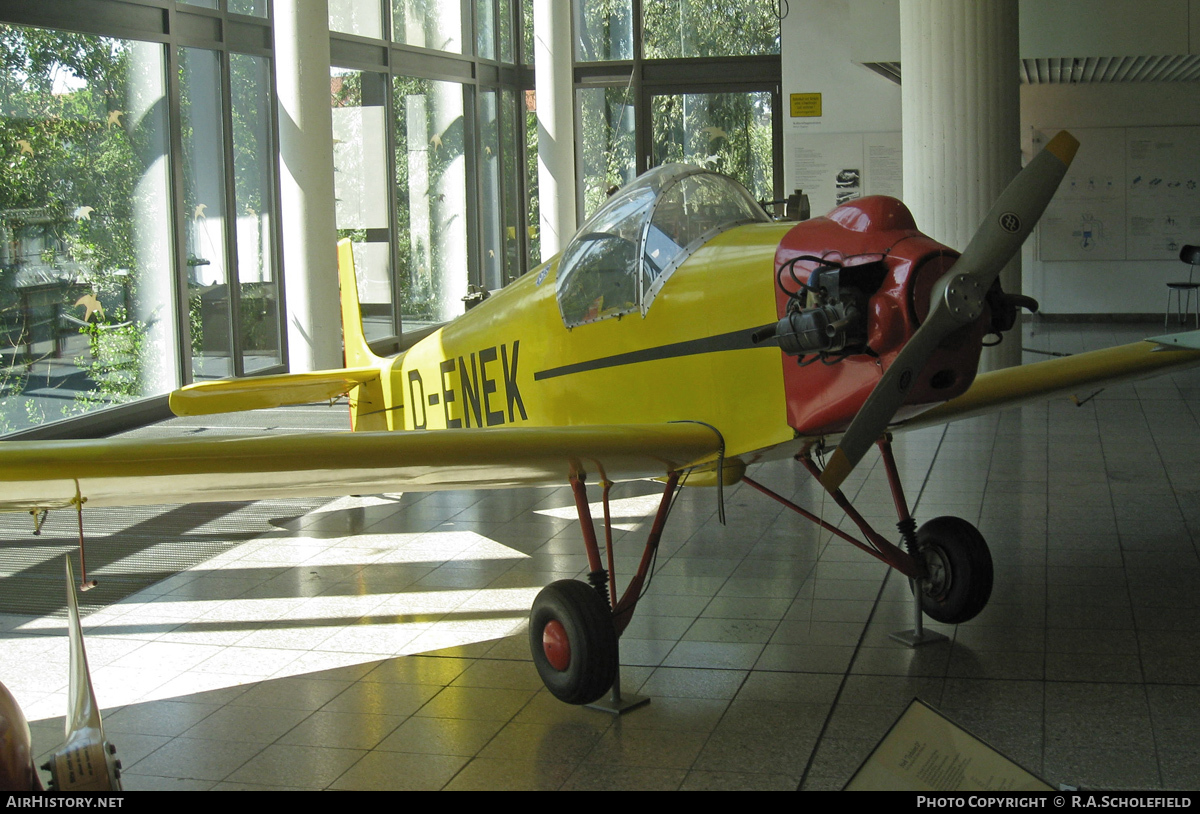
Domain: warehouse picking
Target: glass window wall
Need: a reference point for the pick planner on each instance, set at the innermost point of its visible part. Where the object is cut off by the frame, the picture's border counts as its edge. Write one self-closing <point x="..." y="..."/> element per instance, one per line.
<point x="84" y="225"/>
<point x="460" y="142"/>
<point x="137" y="247"/>
<point x="363" y="18"/>
<point x="533" y="223"/>
<point x="608" y="160"/>
<point x="434" y="24"/>
<point x="603" y="30"/>
<point x="254" y="201"/>
<point x="431" y="197"/>
<point x="361" y="190"/>
<point x="640" y="105"/>
<point x="730" y="133"/>
<point x="709" y="28"/>
<point x="253" y="8"/>
<point x="203" y="158"/>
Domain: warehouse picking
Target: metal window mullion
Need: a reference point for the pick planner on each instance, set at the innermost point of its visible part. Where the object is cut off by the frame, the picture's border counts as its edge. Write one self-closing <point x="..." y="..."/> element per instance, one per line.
<point x="643" y="135"/>
<point x="466" y="13"/>
<point x="393" y="202"/>
<point x="501" y="153"/>
<point x="281" y="337"/>
<point x="232" y="272"/>
<point x="471" y="171"/>
<point x="777" y="141"/>
<point x="178" y="230"/>
<point x="520" y="162"/>
<point x="389" y="140"/>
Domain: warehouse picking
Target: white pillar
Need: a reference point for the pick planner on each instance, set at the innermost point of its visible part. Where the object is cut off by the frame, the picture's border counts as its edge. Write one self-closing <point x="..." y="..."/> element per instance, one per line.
<point x="961" y="119"/>
<point x="306" y="210"/>
<point x="552" y="64"/>
<point x="145" y="108"/>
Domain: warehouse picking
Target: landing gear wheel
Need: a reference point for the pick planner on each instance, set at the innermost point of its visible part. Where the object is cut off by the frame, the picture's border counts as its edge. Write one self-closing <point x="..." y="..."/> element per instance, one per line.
<point x="960" y="570"/>
<point x="573" y="641"/>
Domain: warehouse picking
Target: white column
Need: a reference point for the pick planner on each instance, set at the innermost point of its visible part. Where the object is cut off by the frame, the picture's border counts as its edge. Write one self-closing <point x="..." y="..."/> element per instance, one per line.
<point x="306" y="210"/>
<point x="552" y="64"/>
<point x="156" y="282"/>
<point x="961" y="119"/>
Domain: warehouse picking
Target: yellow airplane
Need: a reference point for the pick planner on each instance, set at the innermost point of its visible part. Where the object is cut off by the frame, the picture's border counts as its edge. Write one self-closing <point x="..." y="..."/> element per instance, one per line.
<point x="681" y="335"/>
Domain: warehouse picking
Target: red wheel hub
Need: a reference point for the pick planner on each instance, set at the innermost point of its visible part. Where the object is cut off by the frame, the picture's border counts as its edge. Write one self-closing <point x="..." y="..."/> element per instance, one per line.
<point x="556" y="645"/>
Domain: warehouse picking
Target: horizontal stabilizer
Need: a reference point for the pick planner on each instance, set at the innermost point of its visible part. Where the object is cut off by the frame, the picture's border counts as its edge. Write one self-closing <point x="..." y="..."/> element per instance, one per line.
<point x="136" y="471"/>
<point x="260" y="392"/>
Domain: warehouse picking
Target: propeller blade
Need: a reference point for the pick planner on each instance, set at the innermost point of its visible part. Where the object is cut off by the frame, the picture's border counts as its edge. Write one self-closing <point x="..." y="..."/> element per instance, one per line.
<point x="957" y="298"/>
<point x="84" y="713"/>
<point x="85" y="761"/>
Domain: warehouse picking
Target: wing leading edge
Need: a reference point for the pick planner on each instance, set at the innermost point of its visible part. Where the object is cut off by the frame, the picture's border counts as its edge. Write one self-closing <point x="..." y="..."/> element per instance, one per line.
<point x="126" y="472"/>
<point x="1014" y="386"/>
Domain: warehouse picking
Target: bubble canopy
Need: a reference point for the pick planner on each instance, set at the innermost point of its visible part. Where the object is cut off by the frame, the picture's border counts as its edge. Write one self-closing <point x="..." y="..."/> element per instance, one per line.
<point x="618" y="261"/>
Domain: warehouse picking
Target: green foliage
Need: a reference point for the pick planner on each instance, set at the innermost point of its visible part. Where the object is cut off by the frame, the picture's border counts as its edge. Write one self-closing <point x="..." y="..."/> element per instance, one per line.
<point x="59" y="151"/>
<point x="677" y="29"/>
<point x="606" y="32"/>
<point x="726" y="132"/>
<point x="431" y="217"/>
<point x="709" y="28"/>
<point x="114" y="364"/>
<point x="609" y="158"/>
<point x="71" y="158"/>
<point x="533" y="205"/>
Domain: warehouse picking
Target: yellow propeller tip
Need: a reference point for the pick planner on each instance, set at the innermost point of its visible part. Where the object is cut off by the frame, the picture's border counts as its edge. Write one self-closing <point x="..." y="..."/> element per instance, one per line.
<point x="836" y="471"/>
<point x="1063" y="147"/>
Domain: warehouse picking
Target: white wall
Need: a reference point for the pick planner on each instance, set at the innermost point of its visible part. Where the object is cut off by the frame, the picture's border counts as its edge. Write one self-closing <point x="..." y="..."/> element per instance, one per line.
<point x="1105" y="28"/>
<point x="824" y="40"/>
<point x="818" y="38"/>
<point x="1113" y="286"/>
<point x="1055" y="28"/>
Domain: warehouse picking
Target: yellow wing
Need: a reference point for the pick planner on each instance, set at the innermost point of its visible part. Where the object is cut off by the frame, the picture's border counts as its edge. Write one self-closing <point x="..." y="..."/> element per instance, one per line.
<point x="126" y="472"/>
<point x="1024" y="384"/>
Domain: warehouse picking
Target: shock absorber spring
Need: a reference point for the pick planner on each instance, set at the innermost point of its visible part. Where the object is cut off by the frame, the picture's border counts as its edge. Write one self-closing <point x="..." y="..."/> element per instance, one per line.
<point x="599" y="581"/>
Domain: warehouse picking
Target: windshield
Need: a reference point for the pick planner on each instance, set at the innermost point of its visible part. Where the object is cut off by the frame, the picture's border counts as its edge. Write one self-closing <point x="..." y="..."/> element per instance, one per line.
<point x="621" y="257"/>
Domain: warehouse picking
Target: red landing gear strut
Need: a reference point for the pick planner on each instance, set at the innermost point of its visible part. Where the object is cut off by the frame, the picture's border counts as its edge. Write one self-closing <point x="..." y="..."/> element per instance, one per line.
<point x="574" y="626"/>
<point x="947" y="561"/>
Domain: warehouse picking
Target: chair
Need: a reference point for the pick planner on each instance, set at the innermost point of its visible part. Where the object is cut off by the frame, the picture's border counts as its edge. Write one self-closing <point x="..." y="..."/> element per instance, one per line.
<point x="1191" y="256"/>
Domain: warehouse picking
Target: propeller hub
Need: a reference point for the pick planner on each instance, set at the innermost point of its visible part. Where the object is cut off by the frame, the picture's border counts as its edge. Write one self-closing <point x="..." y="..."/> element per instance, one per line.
<point x="964" y="296"/>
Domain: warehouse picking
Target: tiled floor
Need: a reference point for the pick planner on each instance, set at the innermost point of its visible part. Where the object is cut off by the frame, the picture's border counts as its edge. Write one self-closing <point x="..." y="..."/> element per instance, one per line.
<point x="379" y="643"/>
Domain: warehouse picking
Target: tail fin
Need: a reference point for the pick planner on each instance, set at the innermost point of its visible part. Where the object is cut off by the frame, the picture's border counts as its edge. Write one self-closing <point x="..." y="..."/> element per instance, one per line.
<point x="368" y="405"/>
<point x="358" y="353"/>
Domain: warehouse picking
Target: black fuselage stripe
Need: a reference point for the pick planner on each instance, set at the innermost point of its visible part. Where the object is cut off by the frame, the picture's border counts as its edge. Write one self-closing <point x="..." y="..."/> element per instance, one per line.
<point x="734" y="340"/>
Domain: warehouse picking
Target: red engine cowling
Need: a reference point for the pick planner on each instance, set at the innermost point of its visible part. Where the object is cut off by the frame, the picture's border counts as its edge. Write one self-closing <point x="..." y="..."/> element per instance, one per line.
<point x="17" y="772"/>
<point x="872" y="247"/>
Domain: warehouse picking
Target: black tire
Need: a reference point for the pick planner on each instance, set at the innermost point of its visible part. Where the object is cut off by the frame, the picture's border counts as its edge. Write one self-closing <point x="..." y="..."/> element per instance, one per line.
<point x="960" y="570"/>
<point x="586" y="621"/>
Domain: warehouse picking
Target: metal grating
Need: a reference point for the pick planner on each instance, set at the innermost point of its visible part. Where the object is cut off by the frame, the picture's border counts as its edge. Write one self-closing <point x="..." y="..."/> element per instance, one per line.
<point x="1091" y="70"/>
<point x="127" y="549"/>
<point x="1088" y="70"/>
<point x="133" y="547"/>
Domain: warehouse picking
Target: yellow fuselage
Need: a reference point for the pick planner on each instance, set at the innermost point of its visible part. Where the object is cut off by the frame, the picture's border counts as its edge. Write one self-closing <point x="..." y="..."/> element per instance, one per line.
<point x="511" y="361"/>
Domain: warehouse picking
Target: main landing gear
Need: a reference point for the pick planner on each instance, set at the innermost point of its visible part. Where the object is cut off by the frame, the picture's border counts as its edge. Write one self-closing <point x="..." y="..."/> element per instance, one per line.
<point x="574" y="626"/>
<point x="947" y="561"/>
<point x="573" y="641"/>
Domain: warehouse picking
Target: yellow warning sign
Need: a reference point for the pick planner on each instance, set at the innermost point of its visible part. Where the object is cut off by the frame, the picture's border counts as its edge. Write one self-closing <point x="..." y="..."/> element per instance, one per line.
<point x="806" y="104"/>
